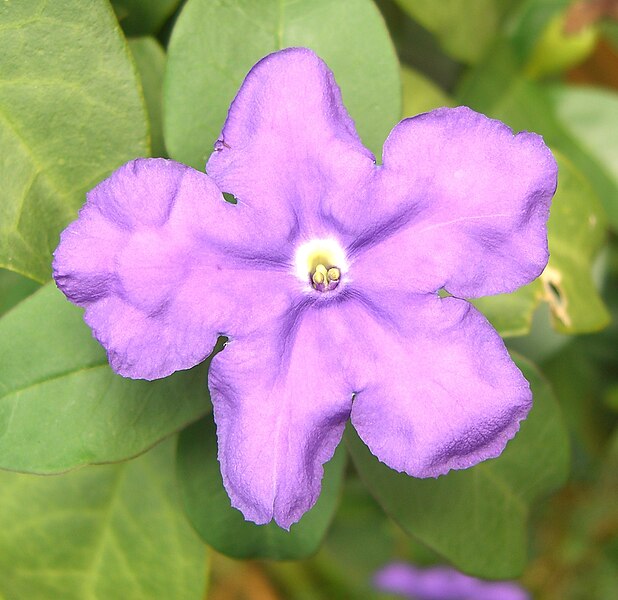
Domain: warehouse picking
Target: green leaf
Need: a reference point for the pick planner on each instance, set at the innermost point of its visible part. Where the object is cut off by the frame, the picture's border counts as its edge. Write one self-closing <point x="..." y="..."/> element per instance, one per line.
<point x="150" y="60"/>
<point x="530" y="22"/>
<point x="13" y="289"/>
<point x="420" y="94"/>
<point x="611" y="397"/>
<point x="497" y="88"/>
<point x="591" y="116"/>
<point x="511" y="314"/>
<point x="558" y="50"/>
<point x="61" y="405"/>
<point x="101" y="533"/>
<point x="576" y="232"/>
<point x="477" y="518"/>
<point x="70" y="112"/>
<point x="223" y="527"/>
<point x="578" y="382"/>
<point x="215" y="44"/>
<point x="464" y="27"/>
<point x="418" y="48"/>
<point x="141" y="17"/>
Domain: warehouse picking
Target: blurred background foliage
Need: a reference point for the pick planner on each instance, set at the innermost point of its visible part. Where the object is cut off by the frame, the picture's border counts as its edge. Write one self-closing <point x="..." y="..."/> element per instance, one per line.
<point x="76" y="101"/>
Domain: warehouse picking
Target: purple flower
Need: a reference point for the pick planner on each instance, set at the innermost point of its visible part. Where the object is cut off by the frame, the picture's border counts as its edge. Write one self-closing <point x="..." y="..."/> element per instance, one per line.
<point x="443" y="583"/>
<point x="324" y="277"/>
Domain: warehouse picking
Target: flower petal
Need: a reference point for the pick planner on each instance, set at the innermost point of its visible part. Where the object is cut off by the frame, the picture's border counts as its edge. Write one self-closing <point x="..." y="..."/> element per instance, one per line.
<point x="281" y="401"/>
<point x="442" y="583"/>
<point x="446" y="394"/>
<point x="163" y="266"/>
<point x="434" y="390"/>
<point x="289" y="149"/>
<point x="460" y="203"/>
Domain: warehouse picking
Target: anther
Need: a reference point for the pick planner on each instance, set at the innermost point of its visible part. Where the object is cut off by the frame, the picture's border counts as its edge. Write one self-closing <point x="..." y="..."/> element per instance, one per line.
<point x="318" y="278"/>
<point x="324" y="279"/>
<point x="333" y="274"/>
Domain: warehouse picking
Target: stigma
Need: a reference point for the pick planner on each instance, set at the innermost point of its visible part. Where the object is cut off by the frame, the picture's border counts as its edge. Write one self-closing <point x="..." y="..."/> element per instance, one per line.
<point x="321" y="264"/>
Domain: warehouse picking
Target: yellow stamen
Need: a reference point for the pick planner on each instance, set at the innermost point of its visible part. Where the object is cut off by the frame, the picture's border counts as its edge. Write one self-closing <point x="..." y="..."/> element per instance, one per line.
<point x="322" y="276"/>
<point x="318" y="278"/>
<point x="333" y="274"/>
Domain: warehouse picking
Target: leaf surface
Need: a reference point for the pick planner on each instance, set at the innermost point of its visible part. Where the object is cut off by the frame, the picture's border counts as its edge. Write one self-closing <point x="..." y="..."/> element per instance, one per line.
<point x="113" y="532"/>
<point x="61" y="406"/>
<point x="141" y="17"/>
<point x="150" y="60"/>
<point x="464" y="27"/>
<point x="70" y="112"/>
<point x="215" y="44"/>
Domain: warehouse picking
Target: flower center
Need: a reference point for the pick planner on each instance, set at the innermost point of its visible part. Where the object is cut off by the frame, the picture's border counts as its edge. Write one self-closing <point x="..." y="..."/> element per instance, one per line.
<point x="321" y="264"/>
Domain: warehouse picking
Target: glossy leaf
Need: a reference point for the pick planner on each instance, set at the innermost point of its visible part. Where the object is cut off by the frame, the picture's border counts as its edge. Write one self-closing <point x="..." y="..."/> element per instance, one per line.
<point x="223" y="527"/>
<point x="418" y="48"/>
<point x="477" y="518"/>
<point x="464" y="27"/>
<point x="578" y="382"/>
<point x="150" y="60"/>
<point x="111" y="532"/>
<point x="511" y="314"/>
<point x="420" y="94"/>
<point x="13" y="289"/>
<point x="530" y="22"/>
<point x="576" y="231"/>
<point x="215" y="44"/>
<point x="140" y="17"/>
<point x="61" y="405"/>
<point x="558" y="49"/>
<point x="70" y="112"/>
<point x="591" y="116"/>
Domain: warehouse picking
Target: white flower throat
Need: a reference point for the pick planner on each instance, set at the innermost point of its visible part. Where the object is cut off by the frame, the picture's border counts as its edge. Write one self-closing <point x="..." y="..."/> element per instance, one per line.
<point x="321" y="263"/>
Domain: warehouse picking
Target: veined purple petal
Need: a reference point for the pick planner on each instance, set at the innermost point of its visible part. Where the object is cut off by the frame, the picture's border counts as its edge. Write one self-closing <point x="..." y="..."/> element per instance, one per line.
<point x="281" y="400"/>
<point x="163" y="266"/>
<point x="289" y="149"/>
<point x="442" y="583"/>
<point x="460" y="202"/>
<point x="445" y="395"/>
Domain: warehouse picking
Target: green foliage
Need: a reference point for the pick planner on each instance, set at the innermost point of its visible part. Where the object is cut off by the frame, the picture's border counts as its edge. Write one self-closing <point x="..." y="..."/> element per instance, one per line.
<point x="142" y="17"/>
<point x="61" y="405"/>
<point x="207" y="64"/>
<point x="511" y="314"/>
<point x="557" y="50"/>
<point x="65" y="121"/>
<point x="150" y="59"/>
<point x="420" y="94"/>
<point x="13" y="289"/>
<point x="223" y="527"/>
<point x="576" y="231"/>
<point x="585" y="112"/>
<point x="529" y="23"/>
<point x="476" y="518"/>
<point x="464" y="27"/>
<point x="102" y="533"/>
